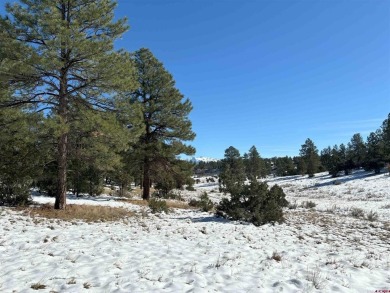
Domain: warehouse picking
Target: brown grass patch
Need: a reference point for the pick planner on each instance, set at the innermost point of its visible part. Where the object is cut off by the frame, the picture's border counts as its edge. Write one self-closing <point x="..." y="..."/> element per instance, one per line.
<point x="178" y="205"/>
<point x="138" y="202"/>
<point x="312" y="217"/>
<point x="170" y="203"/>
<point x="88" y="213"/>
<point x="38" y="286"/>
<point x="137" y="191"/>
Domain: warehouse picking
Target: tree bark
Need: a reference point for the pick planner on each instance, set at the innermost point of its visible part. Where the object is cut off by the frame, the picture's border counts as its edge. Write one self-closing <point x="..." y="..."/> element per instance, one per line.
<point x="146" y="181"/>
<point x="62" y="156"/>
<point x="60" y="202"/>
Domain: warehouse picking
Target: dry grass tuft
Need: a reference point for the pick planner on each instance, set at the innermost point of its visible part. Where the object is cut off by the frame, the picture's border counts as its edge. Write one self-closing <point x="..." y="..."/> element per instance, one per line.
<point x="316" y="279"/>
<point x="71" y="281"/>
<point x="276" y="256"/>
<point x="174" y="204"/>
<point x="138" y="202"/>
<point x="88" y="213"/>
<point x="178" y="205"/>
<point x="357" y="213"/>
<point x="38" y="286"/>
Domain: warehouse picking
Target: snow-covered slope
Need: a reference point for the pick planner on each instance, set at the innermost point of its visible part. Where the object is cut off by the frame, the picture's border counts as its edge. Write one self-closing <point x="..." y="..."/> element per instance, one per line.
<point x="320" y="250"/>
<point x="203" y="159"/>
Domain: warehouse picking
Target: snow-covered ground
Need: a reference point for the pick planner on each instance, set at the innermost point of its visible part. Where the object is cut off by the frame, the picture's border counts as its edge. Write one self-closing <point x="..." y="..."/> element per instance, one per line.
<point x="323" y="249"/>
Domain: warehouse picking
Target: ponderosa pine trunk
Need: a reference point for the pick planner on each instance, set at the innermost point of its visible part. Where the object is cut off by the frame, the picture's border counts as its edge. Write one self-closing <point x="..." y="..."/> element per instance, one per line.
<point x="60" y="202"/>
<point x="62" y="156"/>
<point x="146" y="181"/>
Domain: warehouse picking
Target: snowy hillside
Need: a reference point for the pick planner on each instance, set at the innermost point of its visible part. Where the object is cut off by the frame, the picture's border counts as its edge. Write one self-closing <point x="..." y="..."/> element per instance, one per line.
<point x="203" y="159"/>
<point x="328" y="248"/>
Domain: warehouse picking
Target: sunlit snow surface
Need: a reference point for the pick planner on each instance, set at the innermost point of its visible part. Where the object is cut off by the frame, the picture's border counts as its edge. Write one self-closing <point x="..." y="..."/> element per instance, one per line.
<point x="321" y="250"/>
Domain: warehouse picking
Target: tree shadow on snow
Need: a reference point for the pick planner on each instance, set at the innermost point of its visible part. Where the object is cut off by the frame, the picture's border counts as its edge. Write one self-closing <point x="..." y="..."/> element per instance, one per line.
<point x="344" y="178"/>
<point x="88" y="197"/>
<point x="206" y="219"/>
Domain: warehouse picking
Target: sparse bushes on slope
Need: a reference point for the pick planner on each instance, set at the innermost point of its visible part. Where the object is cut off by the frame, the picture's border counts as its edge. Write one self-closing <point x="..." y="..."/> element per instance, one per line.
<point x="158" y="206"/>
<point x="255" y="203"/>
<point x="308" y="204"/>
<point x="205" y="204"/>
<point x="372" y="216"/>
<point x="357" y="213"/>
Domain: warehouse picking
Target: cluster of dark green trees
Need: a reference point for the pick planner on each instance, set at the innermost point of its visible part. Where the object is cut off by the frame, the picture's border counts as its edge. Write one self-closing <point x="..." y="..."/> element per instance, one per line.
<point x="252" y="202"/>
<point x="372" y="155"/>
<point x="73" y="110"/>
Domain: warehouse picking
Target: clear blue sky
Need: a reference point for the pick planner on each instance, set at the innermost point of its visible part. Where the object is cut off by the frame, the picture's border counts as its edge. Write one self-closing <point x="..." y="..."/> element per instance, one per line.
<point x="270" y="73"/>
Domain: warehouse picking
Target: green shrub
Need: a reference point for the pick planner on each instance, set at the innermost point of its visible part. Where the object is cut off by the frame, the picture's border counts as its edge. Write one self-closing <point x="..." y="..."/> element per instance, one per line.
<point x="255" y="203"/>
<point x="14" y="193"/>
<point x="158" y="206"/>
<point x="169" y="195"/>
<point x="205" y="204"/>
<point x="190" y="188"/>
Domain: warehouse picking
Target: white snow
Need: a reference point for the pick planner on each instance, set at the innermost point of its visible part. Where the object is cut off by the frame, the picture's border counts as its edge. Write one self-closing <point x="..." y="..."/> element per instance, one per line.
<point x="321" y="250"/>
<point x="203" y="159"/>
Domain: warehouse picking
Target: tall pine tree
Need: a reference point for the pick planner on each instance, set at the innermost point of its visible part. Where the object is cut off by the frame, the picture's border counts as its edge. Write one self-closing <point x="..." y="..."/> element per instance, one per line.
<point x="254" y="165"/>
<point x="375" y="152"/>
<point x="165" y="120"/>
<point x="59" y="56"/>
<point x="232" y="176"/>
<point x="20" y="155"/>
<point x="356" y="150"/>
<point x="309" y="154"/>
<point x="386" y="140"/>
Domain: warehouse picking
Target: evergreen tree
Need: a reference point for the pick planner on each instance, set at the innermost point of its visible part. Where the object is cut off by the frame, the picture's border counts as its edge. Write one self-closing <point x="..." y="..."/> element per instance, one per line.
<point x="356" y="151"/>
<point x="301" y="166"/>
<point x="232" y="176"/>
<point x="165" y="120"/>
<point x="309" y="154"/>
<point x="254" y="166"/>
<point x="96" y="140"/>
<point x="20" y="156"/>
<point x="60" y="56"/>
<point x="375" y="152"/>
<point x="346" y="160"/>
<point x="177" y="176"/>
<point x="255" y="203"/>
<point x="326" y="158"/>
<point x="336" y="161"/>
<point x="284" y="166"/>
<point x="385" y="129"/>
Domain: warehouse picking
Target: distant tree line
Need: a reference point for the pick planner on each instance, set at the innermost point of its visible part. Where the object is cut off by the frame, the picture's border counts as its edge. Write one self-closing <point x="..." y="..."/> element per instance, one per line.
<point x="253" y="201"/>
<point x="373" y="154"/>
